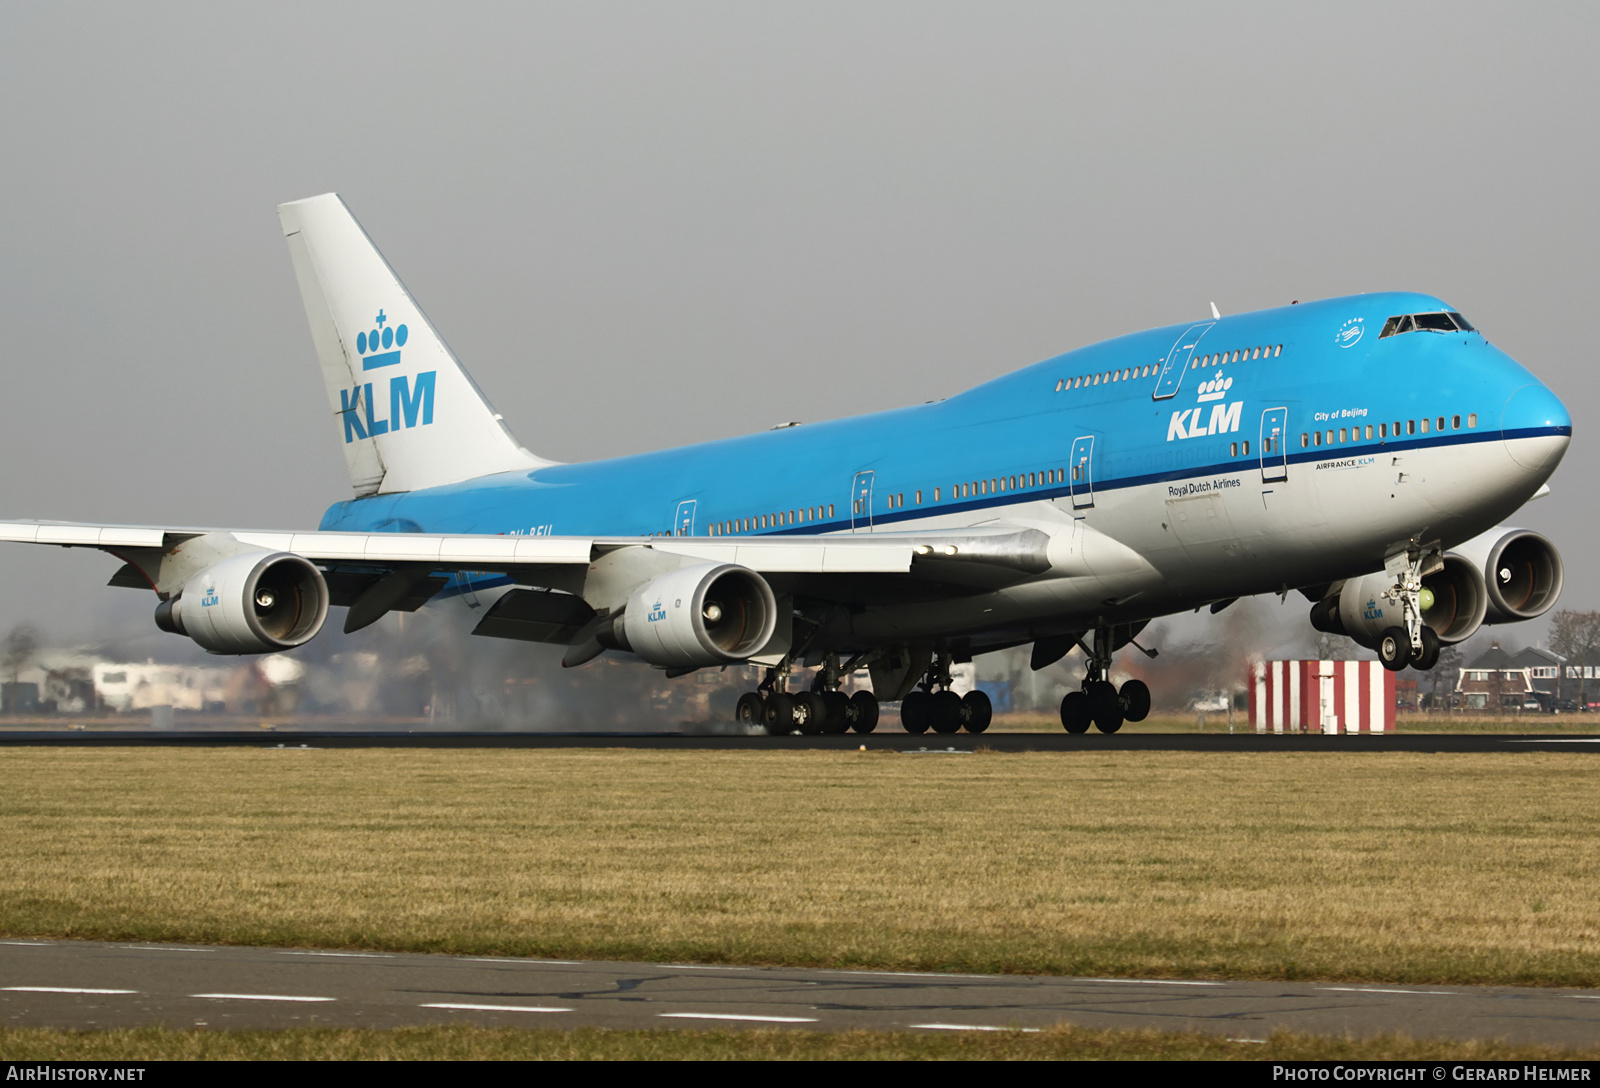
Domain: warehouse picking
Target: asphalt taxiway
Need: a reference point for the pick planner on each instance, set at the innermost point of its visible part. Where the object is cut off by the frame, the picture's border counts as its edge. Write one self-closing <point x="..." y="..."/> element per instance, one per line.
<point x="893" y="740"/>
<point x="96" y="985"/>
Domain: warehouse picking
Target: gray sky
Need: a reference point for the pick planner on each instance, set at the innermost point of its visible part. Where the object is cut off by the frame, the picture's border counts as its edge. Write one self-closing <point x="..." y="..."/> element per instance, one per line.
<point x="645" y="224"/>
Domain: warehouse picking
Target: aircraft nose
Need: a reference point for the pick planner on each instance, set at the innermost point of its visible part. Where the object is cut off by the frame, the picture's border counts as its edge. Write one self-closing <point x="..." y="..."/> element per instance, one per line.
<point x="1536" y="428"/>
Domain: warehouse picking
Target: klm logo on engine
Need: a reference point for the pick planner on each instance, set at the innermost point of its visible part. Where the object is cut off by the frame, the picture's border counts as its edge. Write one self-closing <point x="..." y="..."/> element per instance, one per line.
<point x="209" y="597"/>
<point x="656" y="613"/>
<point x="1372" y="611"/>
<point x="410" y="404"/>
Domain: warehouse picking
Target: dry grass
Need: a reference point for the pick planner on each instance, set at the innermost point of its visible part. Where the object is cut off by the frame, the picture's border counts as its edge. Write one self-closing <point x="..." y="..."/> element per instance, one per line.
<point x="595" y="1044"/>
<point x="1394" y="867"/>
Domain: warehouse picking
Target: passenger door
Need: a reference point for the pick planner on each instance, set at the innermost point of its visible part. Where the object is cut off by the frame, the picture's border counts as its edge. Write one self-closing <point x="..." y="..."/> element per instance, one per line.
<point x="861" y="502"/>
<point x="1274" y="444"/>
<point x="1081" y="474"/>
<point x="1177" y="361"/>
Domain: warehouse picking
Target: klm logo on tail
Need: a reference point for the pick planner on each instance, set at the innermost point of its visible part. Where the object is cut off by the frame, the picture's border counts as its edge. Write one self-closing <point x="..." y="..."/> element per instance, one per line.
<point x="410" y="405"/>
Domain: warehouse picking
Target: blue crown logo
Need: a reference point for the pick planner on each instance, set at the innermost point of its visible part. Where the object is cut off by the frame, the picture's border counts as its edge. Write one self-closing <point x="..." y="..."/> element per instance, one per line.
<point x="381" y="346"/>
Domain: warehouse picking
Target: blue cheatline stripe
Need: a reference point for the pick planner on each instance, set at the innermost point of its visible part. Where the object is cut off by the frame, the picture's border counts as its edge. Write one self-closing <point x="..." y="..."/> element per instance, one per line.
<point x="387" y="358"/>
<point x="1242" y="464"/>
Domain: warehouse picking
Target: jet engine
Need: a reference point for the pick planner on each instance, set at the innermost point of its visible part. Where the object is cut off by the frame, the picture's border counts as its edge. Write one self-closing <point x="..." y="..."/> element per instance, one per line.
<point x="1522" y="570"/>
<point x="1454" y="603"/>
<point x="697" y="617"/>
<point x="255" y="603"/>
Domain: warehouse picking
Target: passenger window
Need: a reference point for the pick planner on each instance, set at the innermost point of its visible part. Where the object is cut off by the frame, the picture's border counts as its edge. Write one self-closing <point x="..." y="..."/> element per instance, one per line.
<point x="1441" y="423"/>
<point x="1472" y="420"/>
<point x="1305" y="440"/>
<point x="1343" y="436"/>
<point x="1424" y="426"/>
<point x="1316" y="439"/>
<point x="1369" y="432"/>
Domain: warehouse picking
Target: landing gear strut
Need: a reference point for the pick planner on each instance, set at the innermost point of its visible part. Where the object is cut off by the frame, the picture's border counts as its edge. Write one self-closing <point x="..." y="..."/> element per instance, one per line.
<point x="823" y="709"/>
<point x="933" y="705"/>
<point x="1413" y="643"/>
<point x="1100" y="702"/>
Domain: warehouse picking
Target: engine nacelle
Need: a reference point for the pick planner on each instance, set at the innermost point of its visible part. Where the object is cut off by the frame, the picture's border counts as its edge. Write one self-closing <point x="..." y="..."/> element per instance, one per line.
<point x="1454" y="603"/>
<point x="1521" y="569"/>
<point x="255" y="603"/>
<point x="714" y="614"/>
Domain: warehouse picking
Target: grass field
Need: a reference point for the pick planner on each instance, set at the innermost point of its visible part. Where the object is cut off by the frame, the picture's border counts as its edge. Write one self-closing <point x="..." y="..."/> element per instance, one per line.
<point x="593" y="1044"/>
<point x="1382" y="867"/>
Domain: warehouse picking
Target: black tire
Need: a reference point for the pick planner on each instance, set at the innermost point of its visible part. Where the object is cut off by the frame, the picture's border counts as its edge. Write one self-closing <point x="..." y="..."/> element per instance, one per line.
<point x="1394" y="648"/>
<point x="915" y="711"/>
<point x="838" y="704"/>
<point x="1104" y="707"/>
<point x="944" y="712"/>
<point x="1135" y="700"/>
<point x="1428" y="656"/>
<point x="1075" y="712"/>
<point x="978" y="711"/>
<point x="863" y="712"/>
<point x="811" y="713"/>
<point x="751" y="710"/>
<point x="780" y="714"/>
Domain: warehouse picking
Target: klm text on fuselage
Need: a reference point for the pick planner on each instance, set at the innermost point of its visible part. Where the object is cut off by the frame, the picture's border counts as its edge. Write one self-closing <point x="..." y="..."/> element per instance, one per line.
<point x="1186" y="423"/>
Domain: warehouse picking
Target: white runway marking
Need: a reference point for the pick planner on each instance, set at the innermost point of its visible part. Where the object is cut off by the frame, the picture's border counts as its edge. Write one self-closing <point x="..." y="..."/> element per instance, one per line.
<point x="735" y="1016"/>
<point x="63" y="990"/>
<point x="1378" y="990"/>
<point x="513" y="959"/>
<point x="701" y="967"/>
<point x="1153" y="981"/>
<point x="347" y="955"/>
<point x="162" y="948"/>
<point x="971" y="1027"/>
<point x="494" y="1008"/>
<point x="263" y="997"/>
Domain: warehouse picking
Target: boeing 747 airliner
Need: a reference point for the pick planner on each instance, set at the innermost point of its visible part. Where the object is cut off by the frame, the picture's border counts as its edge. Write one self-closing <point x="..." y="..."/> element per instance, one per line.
<point x="1363" y="451"/>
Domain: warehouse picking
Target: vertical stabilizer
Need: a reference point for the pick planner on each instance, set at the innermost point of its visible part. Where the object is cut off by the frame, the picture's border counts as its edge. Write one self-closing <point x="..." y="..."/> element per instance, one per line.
<point x="407" y="414"/>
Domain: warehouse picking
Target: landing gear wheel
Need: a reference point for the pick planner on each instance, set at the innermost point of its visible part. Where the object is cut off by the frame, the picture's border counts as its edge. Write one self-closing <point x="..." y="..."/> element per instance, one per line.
<point x="1135" y="700"/>
<point x="780" y="714"/>
<point x="915" y="711"/>
<point x="1103" y="706"/>
<point x="1428" y="656"/>
<point x="810" y="713"/>
<point x="978" y="711"/>
<point x="1394" y="648"/>
<point x="863" y="712"/>
<point x="944" y="712"/>
<point x="751" y="710"/>
<point x="1075" y="712"/>
<point x="838" y="704"/>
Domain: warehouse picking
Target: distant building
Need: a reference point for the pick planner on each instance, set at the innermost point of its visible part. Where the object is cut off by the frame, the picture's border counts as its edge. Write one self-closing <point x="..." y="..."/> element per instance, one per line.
<point x="1496" y="680"/>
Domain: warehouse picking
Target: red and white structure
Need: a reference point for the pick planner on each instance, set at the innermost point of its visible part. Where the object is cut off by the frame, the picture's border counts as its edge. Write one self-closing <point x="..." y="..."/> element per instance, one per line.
<point x="1321" y="697"/>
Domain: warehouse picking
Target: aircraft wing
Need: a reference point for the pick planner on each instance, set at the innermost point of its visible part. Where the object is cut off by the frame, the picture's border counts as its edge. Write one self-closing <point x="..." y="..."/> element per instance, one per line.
<point x="374" y="573"/>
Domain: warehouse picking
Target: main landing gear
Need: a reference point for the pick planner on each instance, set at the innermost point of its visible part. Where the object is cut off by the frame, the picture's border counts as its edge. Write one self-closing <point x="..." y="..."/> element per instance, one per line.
<point x="1414" y="643"/>
<point x="823" y="709"/>
<point x="1101" y="703"/>
<point x="932" y="705"/>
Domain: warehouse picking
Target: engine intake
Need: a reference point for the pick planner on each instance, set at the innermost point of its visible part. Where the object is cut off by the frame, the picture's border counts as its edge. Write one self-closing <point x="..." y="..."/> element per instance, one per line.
<point x="714" y="614"/>
<point x="255" y="603"/>
<point x="1454" y="602"/>
<point x="1523" y="572"/>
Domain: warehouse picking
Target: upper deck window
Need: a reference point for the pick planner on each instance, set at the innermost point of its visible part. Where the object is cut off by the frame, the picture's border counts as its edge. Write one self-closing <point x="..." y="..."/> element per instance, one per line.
<point x="1443" y="321"/>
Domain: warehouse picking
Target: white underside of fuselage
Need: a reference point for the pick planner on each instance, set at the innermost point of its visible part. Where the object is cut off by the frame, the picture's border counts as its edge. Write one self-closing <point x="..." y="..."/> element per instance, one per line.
<point x="1188" y="542"/>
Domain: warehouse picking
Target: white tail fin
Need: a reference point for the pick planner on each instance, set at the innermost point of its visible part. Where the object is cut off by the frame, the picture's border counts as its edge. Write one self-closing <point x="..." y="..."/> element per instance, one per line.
<point x="408" y="414"/>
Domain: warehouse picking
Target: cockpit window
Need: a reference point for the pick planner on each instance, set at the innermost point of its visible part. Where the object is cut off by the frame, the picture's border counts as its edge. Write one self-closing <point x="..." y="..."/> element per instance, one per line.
<point x="1435" y="322"/>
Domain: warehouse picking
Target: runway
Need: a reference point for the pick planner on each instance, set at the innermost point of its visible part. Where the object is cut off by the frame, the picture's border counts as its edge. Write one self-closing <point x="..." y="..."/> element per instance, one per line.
<point x="894" y="740"/>
<point x="94" y="985"/>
